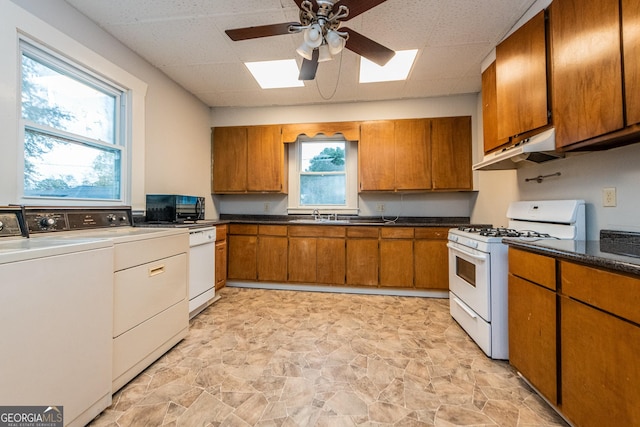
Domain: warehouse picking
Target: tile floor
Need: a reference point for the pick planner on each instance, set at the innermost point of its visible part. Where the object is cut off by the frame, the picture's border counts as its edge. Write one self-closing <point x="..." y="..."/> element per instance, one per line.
<point x="285" y="358"/>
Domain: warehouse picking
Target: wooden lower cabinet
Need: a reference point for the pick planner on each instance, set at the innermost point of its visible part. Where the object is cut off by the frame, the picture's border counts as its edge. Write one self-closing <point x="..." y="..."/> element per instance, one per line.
<point x="577" y="338"/>
<point x="362" y="256"/>
<point x="331" y="267"/>
<point x="431" y="258"/>
<point x="396" y="257"/>
<point x="303" y="262"/>
<point x="532" y="334"/>
<point x="221" y="256"/>
<point x="600" y="369"/>
<point x="243" y="250"/>
<point x="272" y="253"/>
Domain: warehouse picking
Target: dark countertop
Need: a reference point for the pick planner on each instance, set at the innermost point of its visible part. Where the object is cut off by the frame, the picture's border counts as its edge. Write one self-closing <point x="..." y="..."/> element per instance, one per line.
<point x="611" y="251"/>
<point x="449" y="222"/>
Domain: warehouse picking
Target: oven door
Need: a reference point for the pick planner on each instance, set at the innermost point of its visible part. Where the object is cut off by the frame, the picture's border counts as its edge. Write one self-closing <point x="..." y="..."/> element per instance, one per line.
<point x="469" y="277"/>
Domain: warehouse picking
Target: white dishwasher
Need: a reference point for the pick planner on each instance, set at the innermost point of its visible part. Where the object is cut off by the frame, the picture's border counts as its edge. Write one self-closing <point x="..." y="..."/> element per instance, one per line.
<point x="202" y="252"/>
<point x="55" y="322"/>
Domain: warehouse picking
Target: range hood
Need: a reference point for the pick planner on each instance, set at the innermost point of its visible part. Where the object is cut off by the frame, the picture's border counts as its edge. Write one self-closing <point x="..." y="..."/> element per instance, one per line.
<point x="536" y="149"/>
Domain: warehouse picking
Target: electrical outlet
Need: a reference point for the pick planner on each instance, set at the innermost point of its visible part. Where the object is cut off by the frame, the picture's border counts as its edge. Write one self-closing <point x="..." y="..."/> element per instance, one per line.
<point x="609" y="197"/>
<point x="380" y="207"/>
<point x="267" y="206"/>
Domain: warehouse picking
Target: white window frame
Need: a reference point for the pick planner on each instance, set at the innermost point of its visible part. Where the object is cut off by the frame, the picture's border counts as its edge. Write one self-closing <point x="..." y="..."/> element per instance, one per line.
<point x="351" y="175"/>
<point x="121" y="144"/>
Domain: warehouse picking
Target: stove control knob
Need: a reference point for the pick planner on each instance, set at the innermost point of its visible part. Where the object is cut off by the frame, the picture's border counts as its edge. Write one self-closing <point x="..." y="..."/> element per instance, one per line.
<point x="454" y="238"/>
<point x="47" y="222"/>
<point x="472" y="243"/>
<point x="1" y="225"/>
<point x="111" y="218"/>
<point x="123" y="218"/>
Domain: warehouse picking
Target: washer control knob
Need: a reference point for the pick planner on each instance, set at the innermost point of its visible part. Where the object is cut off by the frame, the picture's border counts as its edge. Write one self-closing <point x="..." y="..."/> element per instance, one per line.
<point x="47" y="222"/>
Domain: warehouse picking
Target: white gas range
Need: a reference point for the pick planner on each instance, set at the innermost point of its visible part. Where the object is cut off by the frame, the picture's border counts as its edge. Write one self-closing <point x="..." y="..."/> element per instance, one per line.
<point x="478" y="266"/>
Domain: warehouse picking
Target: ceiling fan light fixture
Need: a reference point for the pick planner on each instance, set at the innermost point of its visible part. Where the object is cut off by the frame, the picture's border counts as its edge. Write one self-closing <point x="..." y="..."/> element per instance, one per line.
<point x="325" y="54"/>
<point x="305" y="51"/>
<point x="313" y="35"/>
<point x="335" y="41"/>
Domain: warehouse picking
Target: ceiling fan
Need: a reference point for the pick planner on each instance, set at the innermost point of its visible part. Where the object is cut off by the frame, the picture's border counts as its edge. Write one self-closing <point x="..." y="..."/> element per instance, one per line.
<point x="320" y="21"/>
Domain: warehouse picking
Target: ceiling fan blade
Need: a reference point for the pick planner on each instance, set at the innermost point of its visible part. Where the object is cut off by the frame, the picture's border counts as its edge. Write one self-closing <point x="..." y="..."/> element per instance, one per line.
<point x="309" y="67"/>
<point x="260" y="31"/>
<point x="366" y="47"/>
<point x="356" y="7"/>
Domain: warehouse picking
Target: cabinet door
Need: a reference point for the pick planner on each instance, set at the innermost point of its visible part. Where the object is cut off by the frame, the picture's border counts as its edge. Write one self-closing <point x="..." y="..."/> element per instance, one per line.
<point x="362" y="262"/>
<point x="631" y="50"/>
<point x="229" y="160"/>
<point x="396" y="263"/>
<point x="412" y="155"/>
<point x="586" y="70"/>
<point x="331" y="261"/>
<point x="521" y="79"/>
<point x="490" y="110"/>
<point x="431" y="264"/>
<point x="265" y="159"/>
<point x="272" y="258"/>
<point x="221" y="264"/>
<point x="242" y="263"/>
<point x="451" y="153"/>
<point x="302" y="259"/>
<point x="600" y="369"/>
<point x="376" y="158"/>
<point x="532" y="334"/>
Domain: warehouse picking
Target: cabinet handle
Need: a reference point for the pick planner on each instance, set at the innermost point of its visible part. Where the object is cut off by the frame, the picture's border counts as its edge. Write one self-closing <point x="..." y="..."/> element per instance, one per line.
<point x="154" y="271"/>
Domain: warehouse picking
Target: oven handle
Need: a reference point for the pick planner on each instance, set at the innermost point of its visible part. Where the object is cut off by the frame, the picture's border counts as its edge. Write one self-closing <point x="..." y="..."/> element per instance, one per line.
<point x="465" y="309"/>
<point x="469" y="254"/>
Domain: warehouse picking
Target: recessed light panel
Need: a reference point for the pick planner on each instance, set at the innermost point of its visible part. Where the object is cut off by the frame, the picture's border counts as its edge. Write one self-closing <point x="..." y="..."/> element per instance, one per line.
<point x="396" y="69"/>
<point x="275" y="74"/>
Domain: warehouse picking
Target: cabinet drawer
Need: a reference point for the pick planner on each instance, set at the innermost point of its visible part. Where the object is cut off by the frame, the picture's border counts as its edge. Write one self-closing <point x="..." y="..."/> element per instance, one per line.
<point x="367" y="232"/>
<point x="144" y="291"/>
<point x="396" y="233"/>
<point x="272" y="230"/>
<point x="243" y="229"/>
<point x="612" y="292"/>
<point x="316" y="231"/>
<point x="131" y="254"/>
<point x="432" y="233"/>
<point x="535" y="268"/>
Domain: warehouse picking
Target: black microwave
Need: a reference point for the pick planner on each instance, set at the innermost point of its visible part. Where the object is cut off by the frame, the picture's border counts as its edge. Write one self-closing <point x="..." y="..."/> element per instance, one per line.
<point x="174" y="208"/>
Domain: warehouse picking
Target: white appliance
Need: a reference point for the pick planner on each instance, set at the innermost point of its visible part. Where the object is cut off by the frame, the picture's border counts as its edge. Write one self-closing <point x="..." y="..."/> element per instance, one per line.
<point x="478" y="266"/>
<point x="202" y="276"/>
<point x="55" y="322"/>
<point x="148" y="280"/>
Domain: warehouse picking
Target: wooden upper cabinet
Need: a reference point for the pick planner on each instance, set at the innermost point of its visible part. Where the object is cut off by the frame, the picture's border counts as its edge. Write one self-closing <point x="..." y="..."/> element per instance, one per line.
<point x="265" y="159"/>
<point x="586" y="69"/>
<point x="521" y="79"/>
<point x="490" y="110"/>
<point x="631" y="50"/>
<point x="451" y="153"/>
<point x="412" y="154"/>
<point x="376" y="156"/>
<point x="248" y="159"/>
<point x="229" y="159"/>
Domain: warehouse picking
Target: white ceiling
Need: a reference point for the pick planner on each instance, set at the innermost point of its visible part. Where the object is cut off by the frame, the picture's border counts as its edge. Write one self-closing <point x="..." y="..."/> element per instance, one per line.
<point x="186" y="40"/>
